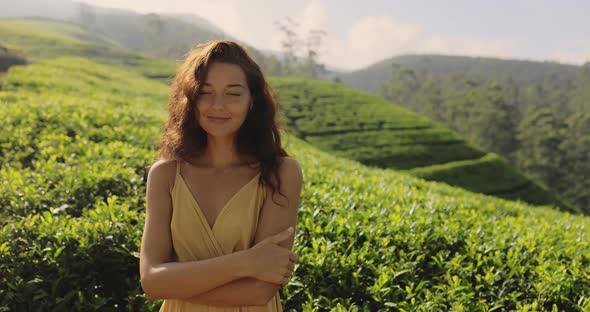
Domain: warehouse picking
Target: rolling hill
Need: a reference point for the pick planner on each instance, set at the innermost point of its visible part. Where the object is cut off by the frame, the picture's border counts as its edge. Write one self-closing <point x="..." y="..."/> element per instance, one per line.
<point x="367" y="128"/>
<point x="521" y="71"/>
<point x="44" y="39"/>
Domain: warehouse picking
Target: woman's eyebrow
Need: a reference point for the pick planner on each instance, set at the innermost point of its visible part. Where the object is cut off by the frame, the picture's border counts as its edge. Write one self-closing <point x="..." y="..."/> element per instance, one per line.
<point x="229" y="85"/>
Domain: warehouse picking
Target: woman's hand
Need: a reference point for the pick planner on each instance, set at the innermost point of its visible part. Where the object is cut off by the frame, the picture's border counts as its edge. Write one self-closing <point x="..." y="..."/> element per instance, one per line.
<point x="273" y="263"/>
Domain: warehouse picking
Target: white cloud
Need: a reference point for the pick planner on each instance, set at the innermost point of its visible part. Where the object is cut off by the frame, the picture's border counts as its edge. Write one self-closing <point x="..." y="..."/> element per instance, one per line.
<point x="225" y="14"/>
<point x="374" y="38"/>
<point x="578" y="56"/>
<point x="314" y="17"/>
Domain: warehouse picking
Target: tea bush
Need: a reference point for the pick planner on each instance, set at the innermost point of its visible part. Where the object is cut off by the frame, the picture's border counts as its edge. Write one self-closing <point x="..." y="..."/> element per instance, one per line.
<point x="369" y="239"/>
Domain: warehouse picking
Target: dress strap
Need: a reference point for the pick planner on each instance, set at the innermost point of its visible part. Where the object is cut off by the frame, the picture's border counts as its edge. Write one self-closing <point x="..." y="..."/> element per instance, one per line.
<point x="177" y="166"/>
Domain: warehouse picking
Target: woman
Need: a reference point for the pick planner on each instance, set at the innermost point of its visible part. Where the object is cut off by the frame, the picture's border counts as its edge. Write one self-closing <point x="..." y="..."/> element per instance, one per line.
<point x="216" y="238"/>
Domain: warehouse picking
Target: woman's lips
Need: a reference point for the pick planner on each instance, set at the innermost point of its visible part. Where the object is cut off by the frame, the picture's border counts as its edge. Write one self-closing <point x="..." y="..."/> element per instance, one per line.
<point x="218" y="120"/>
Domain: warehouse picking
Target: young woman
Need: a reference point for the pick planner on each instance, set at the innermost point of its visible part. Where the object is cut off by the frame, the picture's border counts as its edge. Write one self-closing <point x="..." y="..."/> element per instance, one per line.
<point x="222" y="197"/>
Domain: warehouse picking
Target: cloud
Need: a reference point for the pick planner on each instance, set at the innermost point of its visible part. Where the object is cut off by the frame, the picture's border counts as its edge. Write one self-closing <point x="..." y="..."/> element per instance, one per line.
<point x="314" y="17"/>
<point x="577" y="56"/>
<point x="224" y="14"/>
<point x="374" y="38"/>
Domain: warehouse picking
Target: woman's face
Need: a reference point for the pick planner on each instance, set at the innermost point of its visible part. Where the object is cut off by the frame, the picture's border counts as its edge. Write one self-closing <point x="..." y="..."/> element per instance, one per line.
<point x="224" y="94"/>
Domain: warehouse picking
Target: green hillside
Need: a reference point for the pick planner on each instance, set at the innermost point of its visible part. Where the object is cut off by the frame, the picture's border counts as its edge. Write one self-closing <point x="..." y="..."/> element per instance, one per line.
<point x="44" y="39"/>
<point x="521" y="71"/>
<point x="72" y="211"/>
<point x="367" y="128"/>
<point x="155" y="35"/>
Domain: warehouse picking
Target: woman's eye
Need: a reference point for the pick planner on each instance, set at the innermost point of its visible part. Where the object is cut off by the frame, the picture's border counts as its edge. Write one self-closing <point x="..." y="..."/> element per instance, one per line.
<point x="205" y="93"/>
<point x="234" y="94"/>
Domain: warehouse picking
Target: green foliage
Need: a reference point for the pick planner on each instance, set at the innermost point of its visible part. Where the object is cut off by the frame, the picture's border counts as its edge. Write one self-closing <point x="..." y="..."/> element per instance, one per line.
<point x="540" y="134"/>
<point x="557" y="153"/>
<point x="580" y="98"/>
<point x="66" y="151"/>
<point x="369" y="239"/>
<point x="485" y="174"/>
<point x="576" y="148"/>
<point x="499" y="115"/>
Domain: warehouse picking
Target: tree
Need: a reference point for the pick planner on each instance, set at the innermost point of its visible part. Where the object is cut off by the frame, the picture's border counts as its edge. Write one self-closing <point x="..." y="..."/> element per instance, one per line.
<point x="297" y="62"/>
<point x="402" y="87"/>
<point x="580" y="99"/>
<point x="290" y="44"/>
<point x="430" y="99"/>
<point x="461" y="96"/>
<point x="310" y="66"/>
<point x="540" y="135"/>
<point x="576" y="150"/>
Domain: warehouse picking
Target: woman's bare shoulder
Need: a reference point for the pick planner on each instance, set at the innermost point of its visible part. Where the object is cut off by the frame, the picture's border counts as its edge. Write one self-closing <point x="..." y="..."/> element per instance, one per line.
<point x="163" y="172"/>
<point x="290" y="168"/>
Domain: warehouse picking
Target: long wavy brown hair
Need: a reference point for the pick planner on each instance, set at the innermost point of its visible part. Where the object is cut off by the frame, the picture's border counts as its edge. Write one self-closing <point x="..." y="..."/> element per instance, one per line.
<point x="259" y="135"/>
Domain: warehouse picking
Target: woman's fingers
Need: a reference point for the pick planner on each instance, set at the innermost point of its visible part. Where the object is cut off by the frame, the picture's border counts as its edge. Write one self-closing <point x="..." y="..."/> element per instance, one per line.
<point x="293" y="257"/>
<point x="277" y="238"/>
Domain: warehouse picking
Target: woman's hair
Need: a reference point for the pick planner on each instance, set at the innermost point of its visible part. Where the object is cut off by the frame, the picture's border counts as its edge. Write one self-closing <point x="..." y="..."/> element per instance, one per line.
<point x="182" y="136"/>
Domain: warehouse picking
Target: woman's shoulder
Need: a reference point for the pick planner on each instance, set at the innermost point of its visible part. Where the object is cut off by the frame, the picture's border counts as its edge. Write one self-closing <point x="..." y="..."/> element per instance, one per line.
<point x="163" y="171"/>
<point x="289" y="168"/>
<point x="289" y="160"/>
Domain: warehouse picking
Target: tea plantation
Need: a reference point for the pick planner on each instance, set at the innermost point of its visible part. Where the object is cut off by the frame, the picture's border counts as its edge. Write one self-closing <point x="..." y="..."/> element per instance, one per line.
<point x="371" y="130"/>
<point x="77" y="137"/>
<point x="333" y="117"/>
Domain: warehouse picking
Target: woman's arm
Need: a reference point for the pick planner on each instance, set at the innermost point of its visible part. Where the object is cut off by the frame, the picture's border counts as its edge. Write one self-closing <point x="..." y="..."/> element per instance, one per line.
<point x="160" y="276"/>
<point x="273" y="219"/>
<point x="182" y="280"/>
<point x="242" y="292"/>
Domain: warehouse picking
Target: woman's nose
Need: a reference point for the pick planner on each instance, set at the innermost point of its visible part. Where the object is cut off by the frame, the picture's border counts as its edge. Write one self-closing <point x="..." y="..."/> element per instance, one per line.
<point x="218" y="100"/>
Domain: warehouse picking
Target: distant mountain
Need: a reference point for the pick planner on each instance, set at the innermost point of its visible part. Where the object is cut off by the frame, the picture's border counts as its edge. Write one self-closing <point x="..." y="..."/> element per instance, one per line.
<point x="166" y="36"/>
<point x="522" y="72"/>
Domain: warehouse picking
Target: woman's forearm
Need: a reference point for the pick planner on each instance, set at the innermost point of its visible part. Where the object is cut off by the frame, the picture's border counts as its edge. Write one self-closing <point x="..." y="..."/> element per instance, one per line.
<point x="242" y="292"/>
<point x="183" y="280"/>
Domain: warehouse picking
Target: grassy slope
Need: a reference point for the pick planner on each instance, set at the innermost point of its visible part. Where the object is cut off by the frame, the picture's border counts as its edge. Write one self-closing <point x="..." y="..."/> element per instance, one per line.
<point x="367" y="128"/>
<point x="43" y="39"/>
<point x="368" y="238"/>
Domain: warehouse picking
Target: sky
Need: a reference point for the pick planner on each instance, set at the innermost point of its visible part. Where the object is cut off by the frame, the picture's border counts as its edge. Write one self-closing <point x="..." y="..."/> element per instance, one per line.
<point x="359" y="33"/>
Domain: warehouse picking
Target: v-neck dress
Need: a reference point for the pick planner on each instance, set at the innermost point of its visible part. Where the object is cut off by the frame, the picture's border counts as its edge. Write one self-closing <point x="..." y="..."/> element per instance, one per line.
<point x="234" y="229"/>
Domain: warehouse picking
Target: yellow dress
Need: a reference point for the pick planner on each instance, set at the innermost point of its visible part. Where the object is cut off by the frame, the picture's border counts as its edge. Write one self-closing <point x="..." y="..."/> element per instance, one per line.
<point x="234" y="229"/>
